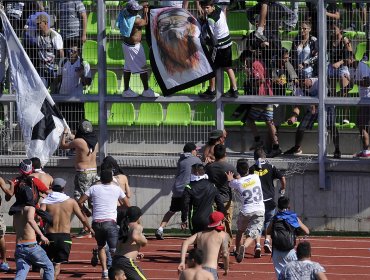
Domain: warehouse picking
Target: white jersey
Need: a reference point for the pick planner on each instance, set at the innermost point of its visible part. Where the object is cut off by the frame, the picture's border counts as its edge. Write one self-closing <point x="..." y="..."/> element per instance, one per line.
<point x="104" y="199"/>
<point x="250" y="193"/>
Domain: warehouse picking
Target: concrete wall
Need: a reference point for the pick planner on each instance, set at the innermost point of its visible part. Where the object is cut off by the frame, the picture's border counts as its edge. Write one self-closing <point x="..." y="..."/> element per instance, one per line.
<point x="344" y="207"/>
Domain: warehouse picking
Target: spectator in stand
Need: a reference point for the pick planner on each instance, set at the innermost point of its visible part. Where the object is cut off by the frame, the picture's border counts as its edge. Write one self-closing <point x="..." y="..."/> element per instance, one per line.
<point x="362" y="78"/>
<point x="217" y="136"/>
<point x="195" y="269"/>
<point x="4" y="266"/>
<point x="267" y="174"/>
<point x="216" y="172"/>
<point x="305" y="52"/>
<point x="281" y="258"/>
<point x="130" y="25"/>
<point x="72" y="23"/>
<point x="353" y="14"/>
<point x="220" y="46"/>
<point x="303" y="268"/>
<point x="199" y="197"/>
<point x="50" y="48"/>
<point x="187" y="159"/>
<point x="252" y="208"/>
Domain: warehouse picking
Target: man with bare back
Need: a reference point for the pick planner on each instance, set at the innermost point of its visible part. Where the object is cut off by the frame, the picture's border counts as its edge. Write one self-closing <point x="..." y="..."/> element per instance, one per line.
<point x="85" y="143"/>
<point x="61" y="207"/>
<point x="130" y="241"/>
<point x="195" y="270"/>
<point x="210" y="242"/>
<point x="46" y="178"/>
<point x="27" y="250"/>
<point x="130" y="24"/>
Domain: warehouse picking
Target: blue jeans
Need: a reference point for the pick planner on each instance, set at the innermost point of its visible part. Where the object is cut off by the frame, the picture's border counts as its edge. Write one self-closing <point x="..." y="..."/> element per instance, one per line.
<point x="269" y="213"/>
<point x="106" y="233"/>
<point x="25" y="256"/>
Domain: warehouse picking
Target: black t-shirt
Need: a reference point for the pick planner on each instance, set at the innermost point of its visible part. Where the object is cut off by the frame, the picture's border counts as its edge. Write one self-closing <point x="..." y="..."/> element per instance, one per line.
<point x="268" y="173"/>
<point x="216" y="173"/>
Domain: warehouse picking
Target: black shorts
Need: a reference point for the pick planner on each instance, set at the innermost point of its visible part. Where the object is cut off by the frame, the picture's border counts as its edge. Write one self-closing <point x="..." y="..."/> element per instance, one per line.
<point x="223" y="58"/>
<point x="59" y="247"/>
<point x="129" y="266"/>
<point x="177" y="204"/>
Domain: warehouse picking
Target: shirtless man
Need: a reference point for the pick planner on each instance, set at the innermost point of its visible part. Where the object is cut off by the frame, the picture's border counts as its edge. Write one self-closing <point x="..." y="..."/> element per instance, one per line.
<point x="85" y="142"/>
<point x="131" y="239"/>
<point x="210" y="242"/>
<point x="61" y="207"/>
<point x="135" y="60"/>
<point x="27" y="250"/>
<point x="39" y="173"/>
<point x="215" y="137"/>
<point x="195" y="270"/>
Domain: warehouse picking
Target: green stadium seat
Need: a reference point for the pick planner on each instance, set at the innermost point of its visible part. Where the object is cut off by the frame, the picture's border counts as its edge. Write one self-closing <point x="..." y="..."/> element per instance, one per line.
<point x="121" y="114"/>
<point x="112" y="83"/>
<point x="92" y="112"/>
<point x="153" y="84"/>
<point x="238" y="23"/>
<point x="228" y="119"/>
<point x="360" y="51"/>
<point x="87" y="2"/>
<point x="287" y="44"/>
<point x="191" y="90"/>
<point x="111" y="3"/>
<point x="292" y="34"/>
<point x="135" y="84"/>
<point x="226" y="83"/>
<point x="178" y="114"/>
<point x="235" y="54"/>
<point x="92" y="24"/>
<point x="90" y="52"/>
<point x="150" y="114"/>
<point x="350" y="34"/>
<point x="204" y="114"/>
<point x="115" y="54"/>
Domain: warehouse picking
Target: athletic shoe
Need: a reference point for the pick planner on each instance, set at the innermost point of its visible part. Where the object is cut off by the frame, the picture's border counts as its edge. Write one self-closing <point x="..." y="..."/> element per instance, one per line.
<point x="159" y="235"/>
<point x="129" y="93"/>
<point x="337" y="154"/>
<point x="293" y="151"/>
<point x="208" y="94"/>
<point x="149" y="93"/>
<point x="267" y="247"/>
<point x="94" y="258"/>
<point x="83" y="234"/>
<point x="274" y="153"/>
<point x="4" y="266"/>
<point x="363" y="154"/>
<point x="240" y="255"/>
<point x="232" y="93"/>
<point x="257" y="251"/>
<point x="256" y="145"/>
<point x="104" y="274"/>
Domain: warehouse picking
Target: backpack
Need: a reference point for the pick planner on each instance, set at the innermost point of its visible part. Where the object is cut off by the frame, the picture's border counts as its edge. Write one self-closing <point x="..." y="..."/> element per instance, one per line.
<point x="26" y="191"/>
<point x="283" y="235"/>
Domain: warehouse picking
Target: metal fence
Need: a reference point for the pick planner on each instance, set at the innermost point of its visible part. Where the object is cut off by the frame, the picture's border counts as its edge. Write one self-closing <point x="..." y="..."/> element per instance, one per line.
<point x="315" y="61"/>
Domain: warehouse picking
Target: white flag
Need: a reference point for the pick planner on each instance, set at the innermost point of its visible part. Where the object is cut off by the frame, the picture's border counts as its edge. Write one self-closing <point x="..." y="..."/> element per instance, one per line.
<point x="40" y="120"/>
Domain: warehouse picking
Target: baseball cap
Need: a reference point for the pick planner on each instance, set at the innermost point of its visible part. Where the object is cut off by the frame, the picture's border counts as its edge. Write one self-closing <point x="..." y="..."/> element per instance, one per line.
<point x="133" y="6"/>
<point x="42" y="18"/>
<point x="216" y="219"/>
<point x="215" y="134"/>
<point x="189" y="147"/>
<point x="25" y="167"/>
<point x="86" y="126"/>
<point x="58" y="184"/>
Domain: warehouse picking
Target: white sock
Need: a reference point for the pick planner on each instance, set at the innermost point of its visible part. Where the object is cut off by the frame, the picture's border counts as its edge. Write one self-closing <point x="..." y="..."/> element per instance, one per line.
<point x="160" y="229"/>
<point x="260" y="30"/>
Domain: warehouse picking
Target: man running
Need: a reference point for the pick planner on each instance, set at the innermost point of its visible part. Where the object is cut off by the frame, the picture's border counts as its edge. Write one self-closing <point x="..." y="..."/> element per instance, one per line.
<point x="195" y="270"/>
<point x="61" y="207"/>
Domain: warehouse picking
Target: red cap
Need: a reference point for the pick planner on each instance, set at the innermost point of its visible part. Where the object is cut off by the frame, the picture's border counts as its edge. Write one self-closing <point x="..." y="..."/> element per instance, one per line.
<point x="216" y="219"/>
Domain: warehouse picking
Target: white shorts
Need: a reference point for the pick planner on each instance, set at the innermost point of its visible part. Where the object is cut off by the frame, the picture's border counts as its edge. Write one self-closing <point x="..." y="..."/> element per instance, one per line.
<point x="135" y="61"/>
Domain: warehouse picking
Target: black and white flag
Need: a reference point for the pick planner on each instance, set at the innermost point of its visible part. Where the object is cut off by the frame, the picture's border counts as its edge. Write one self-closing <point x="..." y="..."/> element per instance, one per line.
<point x="40" y="120"/>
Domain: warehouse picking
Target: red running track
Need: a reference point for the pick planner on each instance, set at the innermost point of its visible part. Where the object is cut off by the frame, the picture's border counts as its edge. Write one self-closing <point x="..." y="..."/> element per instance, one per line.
<point x="342" y="257"/>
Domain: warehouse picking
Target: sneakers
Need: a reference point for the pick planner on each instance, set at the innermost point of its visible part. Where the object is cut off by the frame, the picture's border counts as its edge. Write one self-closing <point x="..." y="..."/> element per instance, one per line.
<point x="363" y="154"/>
<point x="232" y="93"/>
<point x="208" y="93"/>
<point x="94" y="258"/>
<point x="267" y="247"/>
<point x="129" y="93"/>
<point x="274" y="153"/>
<point x="83" y="234"/>
<point x="104" y="274"/>
<point x="293" y="151"/>
<point x="149" y="93"/>
<point x="337" y="154"/>
<point x="240" y="255"/>
<point x="4" y="266"/>
<point x="257" y="251"/>
<point x="256" y="145"/>
<point x="159" y="235"/>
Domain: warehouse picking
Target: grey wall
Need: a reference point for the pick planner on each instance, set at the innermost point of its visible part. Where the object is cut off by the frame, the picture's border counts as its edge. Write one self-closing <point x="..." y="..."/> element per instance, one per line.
<point x="344" y="207"/>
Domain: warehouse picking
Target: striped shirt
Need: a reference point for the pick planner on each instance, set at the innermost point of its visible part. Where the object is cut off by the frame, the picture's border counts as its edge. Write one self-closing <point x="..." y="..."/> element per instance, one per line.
<point x="69" y="13"/>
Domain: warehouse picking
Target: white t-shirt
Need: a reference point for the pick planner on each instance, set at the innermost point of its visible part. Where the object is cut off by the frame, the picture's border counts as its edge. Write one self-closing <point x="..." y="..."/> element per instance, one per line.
<point x="104" y="199"/>
<point x="250" y="193"/>
<point x="362" y="71"/>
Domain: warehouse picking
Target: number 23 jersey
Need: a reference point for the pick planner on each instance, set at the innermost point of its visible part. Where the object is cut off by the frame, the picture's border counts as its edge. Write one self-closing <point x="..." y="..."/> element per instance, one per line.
<point x="250" y="193"/>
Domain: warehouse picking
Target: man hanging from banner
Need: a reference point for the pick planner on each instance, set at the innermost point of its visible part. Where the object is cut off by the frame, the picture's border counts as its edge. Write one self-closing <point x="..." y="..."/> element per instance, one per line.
<point x="39" y="118"/>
